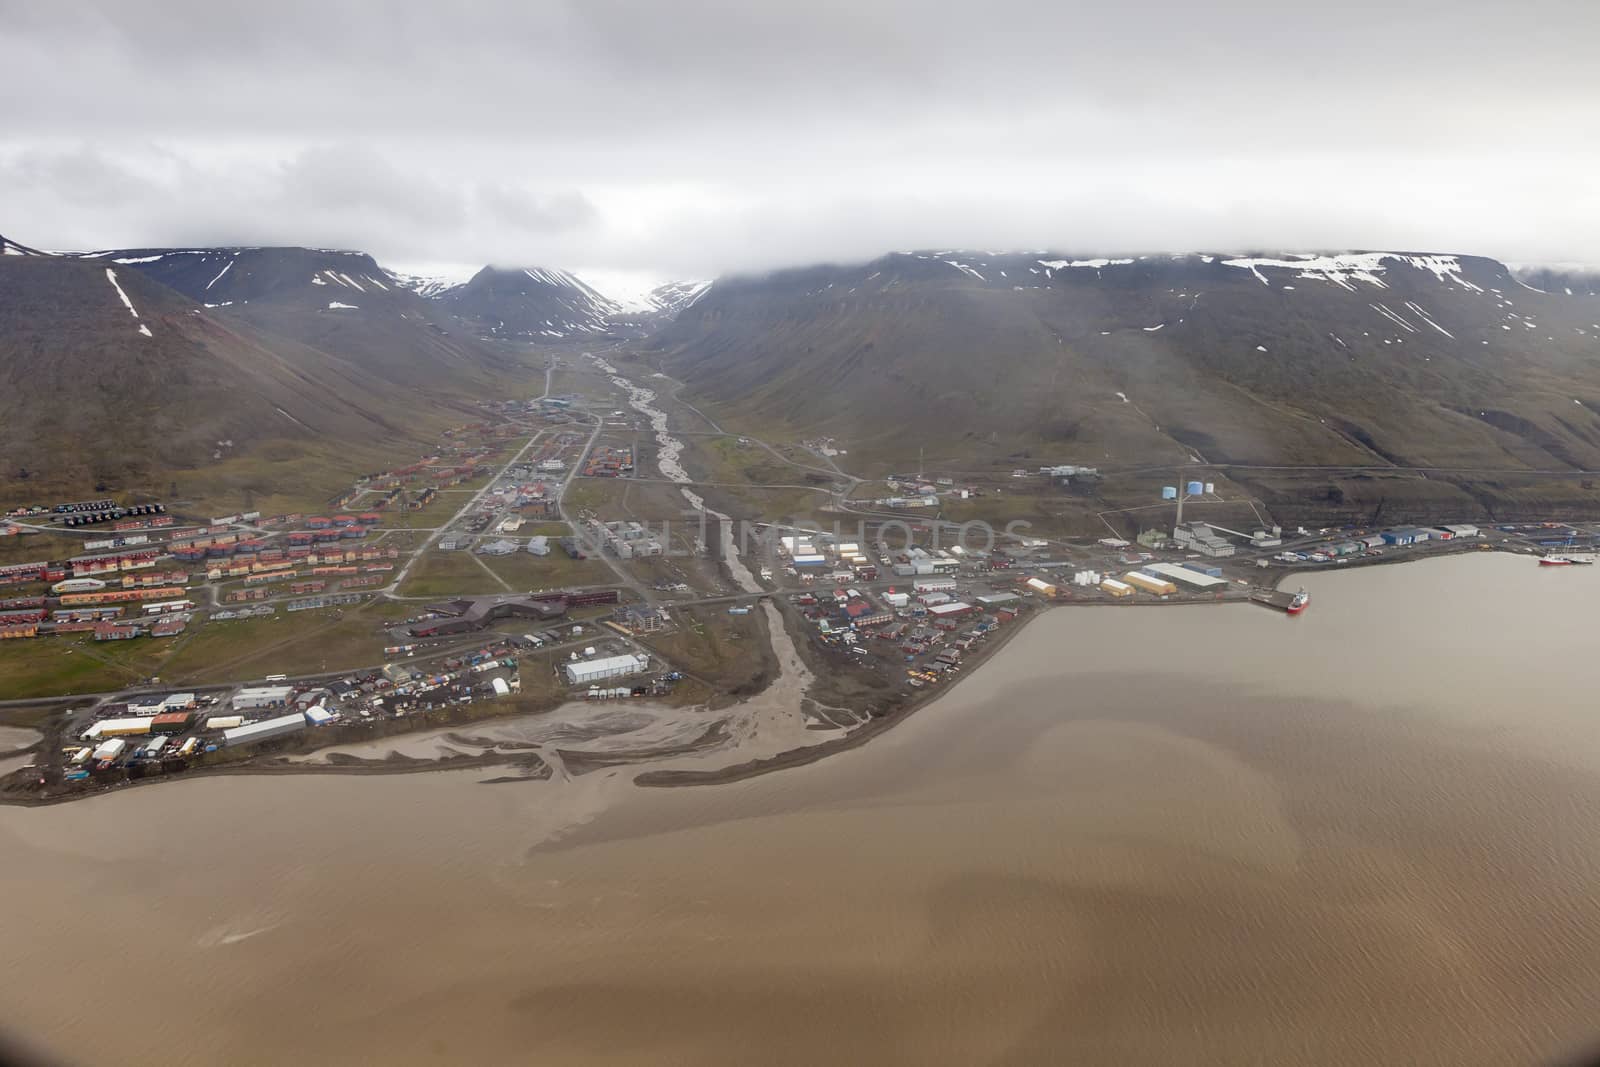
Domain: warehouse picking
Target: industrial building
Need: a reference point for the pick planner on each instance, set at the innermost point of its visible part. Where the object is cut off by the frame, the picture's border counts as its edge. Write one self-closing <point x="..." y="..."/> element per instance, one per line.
<point x="136" y="727"/>
<point x="1405" y="535"/>
<point x="1040" y="586"/>
<point x="934" y="585"/>
<point x="1116" y="588"/>
<point x="1156" y="586"/>
<point x="584" y="672"/>
<point x="266" y="696"/>
<point x="1183" y="576"/>
<point x="265" y="729"/>
<point x="1199" y="537"/>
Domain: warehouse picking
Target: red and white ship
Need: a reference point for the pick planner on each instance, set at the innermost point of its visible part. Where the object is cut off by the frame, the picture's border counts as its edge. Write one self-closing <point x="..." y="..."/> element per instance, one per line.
<point x="1288" y="603"/>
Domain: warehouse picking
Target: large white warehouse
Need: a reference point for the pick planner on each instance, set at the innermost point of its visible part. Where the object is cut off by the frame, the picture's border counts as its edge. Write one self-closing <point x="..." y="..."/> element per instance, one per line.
<point x="263" y="696"/>
<point x="584" y="671"/>
<point x="1186" y="577"/>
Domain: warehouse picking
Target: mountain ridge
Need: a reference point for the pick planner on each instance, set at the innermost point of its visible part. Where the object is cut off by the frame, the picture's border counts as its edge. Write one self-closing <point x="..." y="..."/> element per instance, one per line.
<point x="1258" y="358"/>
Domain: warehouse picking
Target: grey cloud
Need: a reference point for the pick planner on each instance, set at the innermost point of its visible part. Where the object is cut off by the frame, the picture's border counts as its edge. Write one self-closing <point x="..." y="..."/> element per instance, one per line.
<point x="535" y="213"/>
<point x="706" y="135"/>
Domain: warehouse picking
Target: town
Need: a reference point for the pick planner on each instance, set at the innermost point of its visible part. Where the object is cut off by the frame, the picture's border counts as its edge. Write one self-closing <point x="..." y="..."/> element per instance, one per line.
<point x="530" y="561"/>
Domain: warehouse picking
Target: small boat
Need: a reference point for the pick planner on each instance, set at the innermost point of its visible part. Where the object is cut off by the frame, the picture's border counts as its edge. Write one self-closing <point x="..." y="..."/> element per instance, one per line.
<point x="1298" y="604"/>
<point x="1554" y="559"/>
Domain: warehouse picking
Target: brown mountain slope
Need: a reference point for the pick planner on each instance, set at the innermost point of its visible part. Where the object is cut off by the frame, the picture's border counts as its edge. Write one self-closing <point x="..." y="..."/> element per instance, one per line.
<point x="92" y="392"/>
<point x="338" y="301"/>
<point x="1359" y="358"/>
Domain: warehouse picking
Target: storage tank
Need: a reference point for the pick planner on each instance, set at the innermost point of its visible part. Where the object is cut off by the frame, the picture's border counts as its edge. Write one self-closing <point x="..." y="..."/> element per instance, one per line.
<point x="1211" y="488"/>
<point x="1196" y="488"/>
<point x="1169" y="492"/>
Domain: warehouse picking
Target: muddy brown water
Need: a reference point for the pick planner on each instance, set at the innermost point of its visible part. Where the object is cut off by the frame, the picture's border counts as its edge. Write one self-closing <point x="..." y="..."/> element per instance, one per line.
<point x="1369" y="835"/>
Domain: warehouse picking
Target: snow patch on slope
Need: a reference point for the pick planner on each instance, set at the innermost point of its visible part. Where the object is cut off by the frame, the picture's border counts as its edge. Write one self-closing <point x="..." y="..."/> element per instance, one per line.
<point x="1346" y="269"/>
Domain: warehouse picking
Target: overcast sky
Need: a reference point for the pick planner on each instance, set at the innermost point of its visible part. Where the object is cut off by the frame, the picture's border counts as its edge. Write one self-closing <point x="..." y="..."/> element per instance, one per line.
<point x="688" y="138"/>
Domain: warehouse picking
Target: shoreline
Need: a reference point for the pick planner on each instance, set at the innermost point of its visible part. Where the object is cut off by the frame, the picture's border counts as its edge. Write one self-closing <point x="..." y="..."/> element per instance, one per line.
<point x="682" y="777"/>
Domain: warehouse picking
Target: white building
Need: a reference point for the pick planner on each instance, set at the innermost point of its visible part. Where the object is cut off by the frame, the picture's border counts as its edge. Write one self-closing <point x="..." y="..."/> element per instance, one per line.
<point x="266" y="696"/>
<point x="1198" y="537"/>
<point x="584" y="672"/>
<point x="1186" y="577"/>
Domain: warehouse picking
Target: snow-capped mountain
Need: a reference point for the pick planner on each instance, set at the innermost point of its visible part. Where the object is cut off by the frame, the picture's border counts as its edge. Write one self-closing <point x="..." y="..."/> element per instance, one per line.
<point x="1367" y="357"/>
<point x="220" y="277"/>
<point x="673" y="297"/>
<point x="533" y="303"/>
<point x="8" y="247"/>
<point x="430" y="281"/>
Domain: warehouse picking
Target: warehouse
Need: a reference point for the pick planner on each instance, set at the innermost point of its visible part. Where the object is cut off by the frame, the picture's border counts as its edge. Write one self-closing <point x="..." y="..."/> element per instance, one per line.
<point x="1463" y="529"/>
<point x="1157" y="586"/>
<point x="110" y="749"/>
<point x="1116" y="588"/>
<point x="996" y="599"/>
<point x="934" y="585"/>
<point x="119" y="728"/>
<point x="583" y="672"/>
<point x="263" y="730"/>
<point x="1189" y="579"/>
<point x="951" y="610"/>
<point x="267" y="696"/>
<point x="1408" y="535"/>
